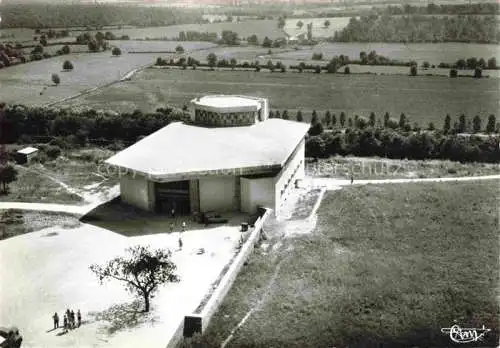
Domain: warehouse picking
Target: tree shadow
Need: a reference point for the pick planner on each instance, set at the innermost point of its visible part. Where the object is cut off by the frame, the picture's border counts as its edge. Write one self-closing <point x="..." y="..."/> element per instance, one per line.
<point x="124" y="316"/>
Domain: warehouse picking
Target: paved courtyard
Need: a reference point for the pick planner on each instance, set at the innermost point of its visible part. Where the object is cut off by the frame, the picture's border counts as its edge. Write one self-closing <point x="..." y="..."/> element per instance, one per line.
<point x="48" y="271"/>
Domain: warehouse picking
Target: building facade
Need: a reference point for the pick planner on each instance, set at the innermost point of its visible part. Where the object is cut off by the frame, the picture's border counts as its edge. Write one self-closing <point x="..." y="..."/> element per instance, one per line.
<point x="230" y="157"/>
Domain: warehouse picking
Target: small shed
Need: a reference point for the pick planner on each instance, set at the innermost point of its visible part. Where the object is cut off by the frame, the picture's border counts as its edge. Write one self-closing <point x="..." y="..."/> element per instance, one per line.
<point x="26" y="155"/>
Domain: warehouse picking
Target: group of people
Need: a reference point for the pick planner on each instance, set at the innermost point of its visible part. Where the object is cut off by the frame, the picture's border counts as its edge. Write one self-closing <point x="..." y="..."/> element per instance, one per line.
<point x="70" y="320"/>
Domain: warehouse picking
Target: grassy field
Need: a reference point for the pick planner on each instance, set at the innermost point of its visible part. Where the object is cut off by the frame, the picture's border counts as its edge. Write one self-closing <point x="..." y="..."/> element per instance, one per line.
<point x="432" y="53"/>
<point x="32" y="185"/>
<point x="261" y="28"/>
<point x="423" y="99"/>
<point x="31" y="84"/>
<point x="70" y="178"/>
<point x="386" y="266"/>
<point x="383" y="168"/>
<point x="403" y="70"/>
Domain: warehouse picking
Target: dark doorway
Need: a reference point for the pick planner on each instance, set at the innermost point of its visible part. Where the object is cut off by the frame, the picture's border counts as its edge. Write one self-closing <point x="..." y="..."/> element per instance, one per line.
<point x="173" y="195"/>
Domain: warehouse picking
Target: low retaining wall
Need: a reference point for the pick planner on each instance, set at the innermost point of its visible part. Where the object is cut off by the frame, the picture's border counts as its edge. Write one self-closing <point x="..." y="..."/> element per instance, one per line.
<point x="198" y="322"/>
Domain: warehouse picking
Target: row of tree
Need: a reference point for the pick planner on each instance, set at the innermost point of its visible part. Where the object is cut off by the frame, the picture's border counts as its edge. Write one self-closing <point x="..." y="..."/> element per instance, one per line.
<point x="95" y="15"/>
<point x="394" y="144"/>
<point x="462" y="124"/>
<point x="364" y="136"/>
<point x="445" y="9"/>
<point x="468" y="8"/>
<point x="417" y="28"/>
<point x="83" y="124"/>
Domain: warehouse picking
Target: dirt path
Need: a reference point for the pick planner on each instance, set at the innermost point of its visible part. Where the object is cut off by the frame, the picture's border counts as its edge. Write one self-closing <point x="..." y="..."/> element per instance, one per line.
<point x="334" y="184"/>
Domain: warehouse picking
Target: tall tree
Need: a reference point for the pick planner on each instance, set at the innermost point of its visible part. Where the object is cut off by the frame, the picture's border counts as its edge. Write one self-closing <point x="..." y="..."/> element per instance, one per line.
<point x="402" y="120"/>
<point x="328" y="118"/>
<point x="8" y="174"/>
<point x="299" y="116"/>
<point x="490" y="126"/>
<point x="447" y="124"/>
<point x="476" y="127"/>
<point x="281" y="22"/>
<point x="334" y="120"/>
<point x="212" y="60"/>
<point x="462" y="124"/>
<point x="314" y="117"/>
<point x="142" y="271"/>
<point x="277" y="115"/>
<point x="285" y="115"/>
<point x="386" y="119"/>
<point x="373" y="119"/>
<point x="342" y="119"/>
<point x="492" y="63"/>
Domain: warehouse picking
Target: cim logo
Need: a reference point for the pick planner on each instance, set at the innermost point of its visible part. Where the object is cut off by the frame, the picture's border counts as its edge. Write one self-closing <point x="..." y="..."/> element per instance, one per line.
<point x="465" y="335"/>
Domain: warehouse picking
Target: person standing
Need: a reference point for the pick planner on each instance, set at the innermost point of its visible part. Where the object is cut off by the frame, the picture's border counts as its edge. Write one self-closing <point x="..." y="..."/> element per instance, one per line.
<point x="79" y="317"/>
<point x="184" y="226"/>
<point x="352" y="178"/>
<point x="65" y="323"/>
<point x="55" y="317"/>
<point x="72" y="319"/>
<point x="180" y="243"/>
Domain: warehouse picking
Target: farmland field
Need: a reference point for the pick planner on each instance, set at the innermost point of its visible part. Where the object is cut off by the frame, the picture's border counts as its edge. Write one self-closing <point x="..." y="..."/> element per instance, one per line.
<point x="261" y="28"/>
<point x="318" y="28"/>
<point x="432" y="53"/>
<point x="26" y="82"/>
<point x="403" y="70"/>
<point x="385" y="266"/>
<point x="423" y="98"/>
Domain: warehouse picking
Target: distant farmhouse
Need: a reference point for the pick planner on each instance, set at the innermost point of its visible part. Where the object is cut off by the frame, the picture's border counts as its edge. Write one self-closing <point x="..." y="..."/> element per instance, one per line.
<point x="229" y="157"/>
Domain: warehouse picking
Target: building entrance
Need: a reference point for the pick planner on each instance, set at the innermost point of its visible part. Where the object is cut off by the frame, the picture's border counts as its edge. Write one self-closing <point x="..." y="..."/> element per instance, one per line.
<point x="173" y="195"/>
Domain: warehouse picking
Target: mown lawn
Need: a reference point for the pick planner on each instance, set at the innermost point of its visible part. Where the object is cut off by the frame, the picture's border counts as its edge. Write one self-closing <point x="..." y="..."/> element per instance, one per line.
<point x="387" y="266"/>
<point x="423" y="99"/>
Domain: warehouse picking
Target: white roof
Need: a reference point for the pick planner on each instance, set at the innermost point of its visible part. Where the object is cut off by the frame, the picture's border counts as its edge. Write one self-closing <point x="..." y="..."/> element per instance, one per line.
<point x="27" y="150"/>
<point x="227" y="101"/>
<point x="187" y="150"/>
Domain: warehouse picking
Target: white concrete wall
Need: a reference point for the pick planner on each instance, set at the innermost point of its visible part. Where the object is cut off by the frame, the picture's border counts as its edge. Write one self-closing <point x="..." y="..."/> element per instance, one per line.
<point x="135" y="191"/>
<point x="292" y="171"/>
<point x="258" y="191"/>
<point x="217" y="193"/>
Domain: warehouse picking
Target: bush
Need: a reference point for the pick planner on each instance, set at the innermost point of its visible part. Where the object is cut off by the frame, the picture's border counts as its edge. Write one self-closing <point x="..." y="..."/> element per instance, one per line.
<point x="53" y="152"/>
<point x="38" y="49"/>
<point x="56" y="79"/>
<point x="478" y="73"/>
<point x="93" y="46"/>
<point x="453" y="73"/>
<point x="316" y="129"/>
<point x="347" y="70"/>
<point x="413" y="71"/>
<point x="65" y="49"/>
<point x="179" y="49"/>
<point x="67" y="65"/>
<point x="317" y="56"/>
<point x="317" y="69"/>
<point x="116" y="51"/>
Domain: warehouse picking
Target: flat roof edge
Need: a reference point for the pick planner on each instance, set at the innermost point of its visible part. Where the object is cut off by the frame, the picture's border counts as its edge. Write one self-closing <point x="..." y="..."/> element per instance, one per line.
<point x="198" y="173"/>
